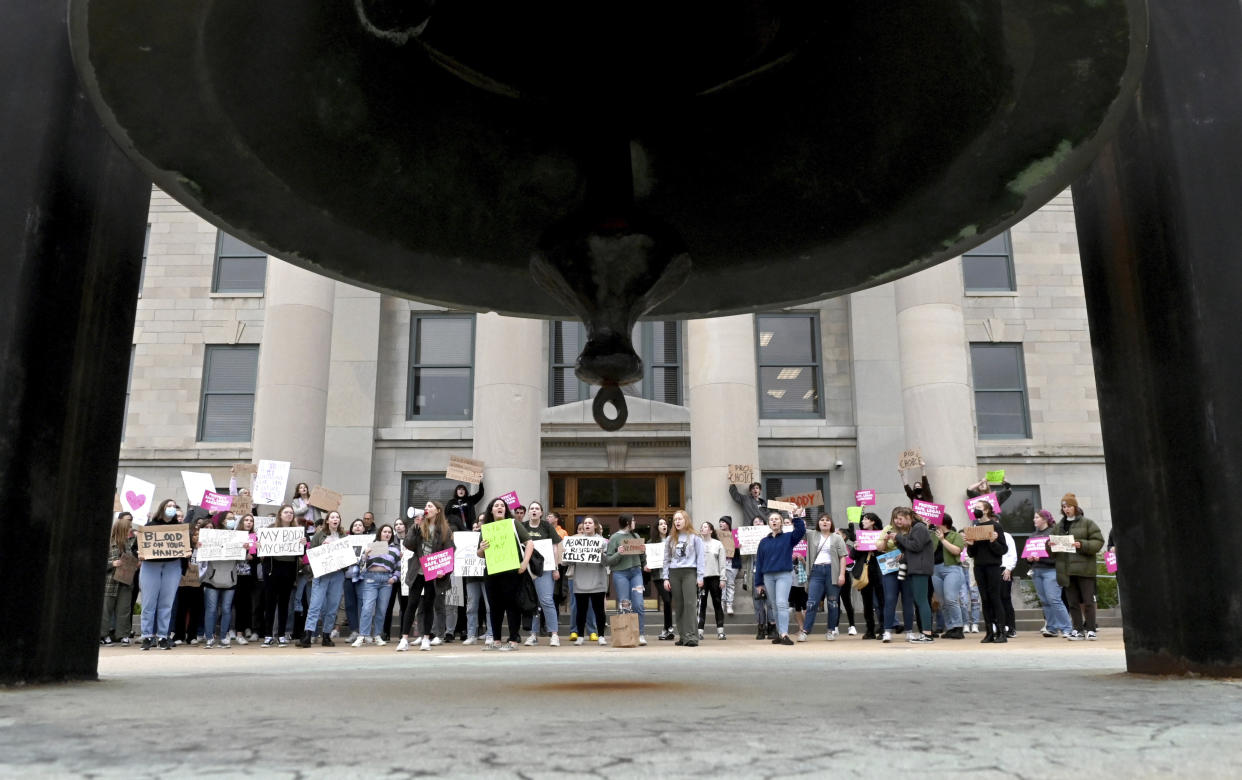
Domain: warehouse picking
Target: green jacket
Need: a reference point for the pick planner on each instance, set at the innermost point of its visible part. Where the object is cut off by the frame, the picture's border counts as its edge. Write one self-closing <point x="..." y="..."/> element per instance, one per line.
<point x="613" y="557"/>
<point x="1082" y="562"/>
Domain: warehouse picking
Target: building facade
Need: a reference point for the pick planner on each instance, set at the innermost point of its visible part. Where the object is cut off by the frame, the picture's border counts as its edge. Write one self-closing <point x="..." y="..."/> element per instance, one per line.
<point x="983" y="363"/>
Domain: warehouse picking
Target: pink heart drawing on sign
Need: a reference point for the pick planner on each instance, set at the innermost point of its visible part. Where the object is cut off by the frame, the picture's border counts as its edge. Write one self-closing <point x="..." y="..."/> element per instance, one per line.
<point x="136" y="500"/>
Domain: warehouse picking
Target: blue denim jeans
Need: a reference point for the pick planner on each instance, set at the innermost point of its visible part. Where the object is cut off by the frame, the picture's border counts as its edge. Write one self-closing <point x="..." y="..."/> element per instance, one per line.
<point x="159" y="581"/>
<point x="972" y="611"/>
<point x="217" y="602"/>
<point x="1049" y="592"/>
<point x="325" y="599"/>
<point x="777" y="585"/>
<point x="821" y="583"/>
<point x="375" y="588"/>
<point x="628" y="584"/>
<point x="947" y="582"/>
<point x="475" y="593"/>
<point x="544" y="586"/>
<point x="299" y="590"/>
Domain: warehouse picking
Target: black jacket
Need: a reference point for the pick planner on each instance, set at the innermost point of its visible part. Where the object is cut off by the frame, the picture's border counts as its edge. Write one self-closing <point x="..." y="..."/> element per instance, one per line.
<point x="462" y="509"/>
<point x="989" y="553"/>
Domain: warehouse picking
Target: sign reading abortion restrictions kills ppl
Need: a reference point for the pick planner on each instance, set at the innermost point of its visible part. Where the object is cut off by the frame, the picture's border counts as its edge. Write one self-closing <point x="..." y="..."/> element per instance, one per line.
<point x="163" y="541"/>
<point x="281" y="541"/>
<point x="583" y="549"/>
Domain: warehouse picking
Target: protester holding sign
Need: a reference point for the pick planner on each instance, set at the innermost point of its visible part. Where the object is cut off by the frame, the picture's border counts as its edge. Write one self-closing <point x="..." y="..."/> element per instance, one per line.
<point x="429" y="534"/>
<point x="590" y="583"/>
<point x="279" y="573"/>
<point x="1009" y="562"/>
<point x="187" y="622"/>
<point x="728" y="577"/>
<point x="627" y="570"/>
<point x="921" y="489"/>
<point x="947" y="577"/>
<point x="326" y="589"/>
<point x="1044" y="575"/>
<point x="1076" y="571"/>
<point x="461" y="506"/>
<point x="159" y="578"/>
<point x="664" y="599"/>
<point x="118" y="620"/>
<point x="542" y="532"/>
<point x="917" y="551"/>
<point x="219" y="584"/>
<point x="380" y="566"/>
<point x="825" y="554"/>
<point x="714" y="562"/>
<point x="774" y="568"/>
<point x="503" y="583"/>
<point x="683" y="574"/>
<point x="872" y="593"/>
<point x="988" y="554"/>
<point x="247" y="600"/>
<point x="353" y="581"/>
<point x="765" y="615"/>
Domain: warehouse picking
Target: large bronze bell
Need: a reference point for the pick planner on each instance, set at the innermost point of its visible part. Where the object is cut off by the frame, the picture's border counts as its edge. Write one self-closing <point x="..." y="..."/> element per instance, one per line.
<point x="611" y="160"/>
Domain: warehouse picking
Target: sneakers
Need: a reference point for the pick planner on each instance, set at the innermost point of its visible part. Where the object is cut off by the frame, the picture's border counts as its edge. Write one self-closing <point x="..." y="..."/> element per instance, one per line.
<point x="378" y="641"/>
<point x="920" y="639"/>
<point x="801" y="636"/>
<point x="594" y="636"/>
<point x="224" y="642"/>
<point x="782" y="640"/>
<point x="194" y="641"/>
<point x="1091" y="636"/>
<point x="284" y="641"/>
<point x="434" y="641"/>
<point x="531" y="641"/>
<point x="728" y="609"/>
<point x="165" y="644"/>
<point x="642" y="641"/>
<point x="267" y="642"/>
<point x="448" y="638"/>
<point x="106" y="641"/>
<point x="602" y="641"/>
<point x="1012" y="633"/>
<point x="125" y="640"/>
<point x="1048" y="633"/>
<point x="974" y="628"/>
<point x="853" y="631"/>
<point x="146" y="643"/>
<point x="505" y="647"/>
<point x="700" y="633"/>
<point x="573" y="635"/>
<point x="555" y="641"/>
<point x="403" y="645"/>
<point x="241" y="640"/>
<point x="720" y="634"/>
<point x="664" y="635"/>
<point x="425" y="644"/>
<point x="1075" y="636"/>
<point x="579" y="641"/>
<point x="832" y="635"/>
<point x="210" y="643"/>
<point x="888" y="637"/>
<point x="358" y="642"/>
<point x="468" y="641"/>
<point x="489" y="645"/>
<point x="352" y="636"/>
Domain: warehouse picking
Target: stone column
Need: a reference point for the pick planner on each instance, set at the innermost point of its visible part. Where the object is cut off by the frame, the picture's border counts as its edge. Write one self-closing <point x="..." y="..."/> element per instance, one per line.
<point x="878" y="412"/>
<point x="1159" y="233"/>
<point x="724" y="411"/>
<point x="291" y="397"/>
<point x="935" y="382"/>
<point x="509" y="392"/>
<point x="72" y="211"/>
<point x="349" y="436"/>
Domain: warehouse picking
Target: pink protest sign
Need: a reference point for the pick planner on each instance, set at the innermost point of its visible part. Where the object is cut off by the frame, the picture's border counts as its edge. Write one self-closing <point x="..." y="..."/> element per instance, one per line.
<point x="800" y="548"/>
<point x="864" y="497"/>
<point x="988" y="497"/>
<point x="1110" y="561"/>
<point x="867" y="540"/>
<point x="437" y="564"/>
<point x="511" y="499"/>
<point x="1036" y="547"/>
<point x="932" y="513"/>
<point x="216" y="502"/>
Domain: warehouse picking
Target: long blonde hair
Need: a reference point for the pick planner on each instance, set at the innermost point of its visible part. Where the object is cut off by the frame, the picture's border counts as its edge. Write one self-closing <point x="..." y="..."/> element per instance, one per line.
<point x="121" y="527"/>
<point x="673" y="533"/>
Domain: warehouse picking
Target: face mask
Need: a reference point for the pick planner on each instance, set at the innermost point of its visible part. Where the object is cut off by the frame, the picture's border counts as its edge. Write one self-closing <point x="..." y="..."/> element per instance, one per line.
<point x="978" y="513"/>
<point x="170" y="512"/>
<point x="230" y="524"/>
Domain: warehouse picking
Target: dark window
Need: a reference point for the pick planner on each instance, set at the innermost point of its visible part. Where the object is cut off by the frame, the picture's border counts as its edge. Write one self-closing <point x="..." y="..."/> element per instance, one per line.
<point x="227" y="411"/>
<point x="777" y="485"/>
<point x="989" y="266"/>
<point x="616" y="491"/>
<point x="441" y="383"/>
<point x="239" y="267"/>
<point x="789" y="365"/>
<point x="657" y="343"/>
<point x="1018" y="516"/>
<point x="421" y="488"/>
<point x="1001" y="410"/>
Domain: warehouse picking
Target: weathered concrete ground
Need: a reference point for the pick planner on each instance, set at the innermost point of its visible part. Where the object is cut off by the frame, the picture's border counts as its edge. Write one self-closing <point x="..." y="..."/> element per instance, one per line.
<point x="1033" y="708"/>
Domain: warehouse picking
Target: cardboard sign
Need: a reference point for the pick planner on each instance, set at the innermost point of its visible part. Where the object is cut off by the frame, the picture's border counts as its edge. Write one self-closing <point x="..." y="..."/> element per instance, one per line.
<point x="583" y="549"/>
<point x="741" y="475"/>
<point x="220" y="545"/>
<point x="116" y="502"/>
<point x="502" y="545"/>
<point x="136" y="497"/>
<point x="124" y="573"/>
<point x="636" y="546"/>
<point x="1110" y="561"/>
<point x="190" y="578"/>
<point x="1062" y="544"/>
<point x="464" y="470"/>
<point x="270" y="481"/>
<point x="749" y="536"/>
<point x="264" y="521"/>
<point x="996" y="477"/>
<point x="865" y="541"/>
<point x="163" y="541"/>
<point x="781" y="506"/>
<point x="196" y="484"/>
<point x="864" y="497"/>
<point x="377" y="549"/>
<point x="511" y="499"/>
<point x="242" y="469"/>
<point x="979" y="533"/>
<point x="281" y="541"/>
<point x="726" y="541"/>
<point x="932" y="513"/>
<point x="437" y="564"/>
<point x="910" y="459"/>
<point x="216" y="502"/>
<point x="989" y="498"/>
<point x="655" y="556"/>
<point x="331" y="556"/>
<point x="1036" y="547"/>
<point x="466" y="561"/>
<point x="803" y="500"/>
<point x="242" y="505"/>
<point x="888" y="562"/>
<point x="327" y="500"/>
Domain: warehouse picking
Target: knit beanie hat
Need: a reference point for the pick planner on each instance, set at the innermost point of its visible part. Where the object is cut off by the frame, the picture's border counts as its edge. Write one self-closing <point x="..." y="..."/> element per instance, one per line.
<point x="1071" y="499"/>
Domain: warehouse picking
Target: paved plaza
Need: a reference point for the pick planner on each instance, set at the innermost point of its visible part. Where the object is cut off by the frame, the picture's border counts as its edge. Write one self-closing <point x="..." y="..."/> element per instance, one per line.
<point x="739" y="708"/>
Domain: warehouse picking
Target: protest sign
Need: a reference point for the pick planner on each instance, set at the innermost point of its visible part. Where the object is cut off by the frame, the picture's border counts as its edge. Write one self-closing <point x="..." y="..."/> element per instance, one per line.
<point x="748" y="537"/>
<point x="781" y="506"/>
<point x="932" y="513"/>
<point x="125" y="571"/>
<point x="544" y="548"/>
<point x="888" y="562"/>
<point x="196" y="484"/>
<point x="270" y="481"/>
<point x="360" y="543"/>
<point x="242" y="505"/>
<point x="437" y="564"/>
<point x="990" y="498"/>
<point x="867" y="540"/>
<point x="741" y="475"/>
<point x="327" y="500"/>
<point x="464" y="470"/>
<point x="116" y="502"/>
<point x="511" y="499"/>
<point x="281" y="541"/>
<point x="243" y="469"/>
<point x="456" y="597"/>
<point x="216" y="502"/>
<point x="1062" y="544"/>
<point x="136" y="497"/>
<point x="853" y="514"/>
<point x="726" y="541"/>
<point x="864" y="497"/>
<point x="910" y="459"/>
<point x="376" y="549"/>
<point x="632" y="546"/>
<point x="331" y="556"/>
<point x="1110" y="561"/>
<point x="190" y="578"/>
<point x="466" y="560"/>
<point x="655" y="556"/>
<point x="220" y="545"/>
<point x="502" y="545"/>
<point x="800" y="548"/>
<point x="163" y="541"/>
<point x="583" y="549"/>
<point x="804" y="500"/>
<point x="264" y="521"/>
<point x="1036" y="547"/>
<point x="996" y="477"/>
<point x="979" y="533"/>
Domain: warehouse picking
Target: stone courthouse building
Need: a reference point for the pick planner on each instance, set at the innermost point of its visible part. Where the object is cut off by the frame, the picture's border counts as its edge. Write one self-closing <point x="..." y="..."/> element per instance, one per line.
<point x="983" y="363"/>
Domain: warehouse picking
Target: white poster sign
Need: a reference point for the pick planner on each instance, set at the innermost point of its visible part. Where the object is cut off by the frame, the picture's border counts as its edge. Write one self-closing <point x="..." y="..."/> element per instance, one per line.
<point x="749" y="536"/>
<point x="331" y="556"/>
<point x="136" y="497"/>
<point x="466" y="561"/>
<point x="197" y="483"/>
<point x="281" y="541"/>
<point x="583" y="549"/>
<point x="270" y="482"/>
<point x="219" y="545"/>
